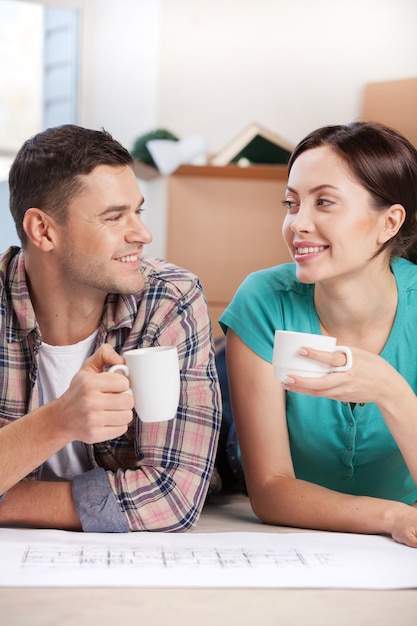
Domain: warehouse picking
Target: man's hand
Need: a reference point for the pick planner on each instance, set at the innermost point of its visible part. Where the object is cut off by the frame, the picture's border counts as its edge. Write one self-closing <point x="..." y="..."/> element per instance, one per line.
<point x="104" y="357"/>
<point x="94" y="408"/>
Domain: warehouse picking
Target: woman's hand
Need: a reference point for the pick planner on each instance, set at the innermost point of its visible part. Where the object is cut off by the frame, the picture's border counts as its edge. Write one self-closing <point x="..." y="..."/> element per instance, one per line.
<point x="403" y="524"/>
<point x="367" y="380"/>
<point x="371" y="379"/>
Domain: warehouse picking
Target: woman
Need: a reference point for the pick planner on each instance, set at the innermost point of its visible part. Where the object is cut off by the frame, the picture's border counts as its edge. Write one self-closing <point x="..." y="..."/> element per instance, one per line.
<point x="338" y="452"/>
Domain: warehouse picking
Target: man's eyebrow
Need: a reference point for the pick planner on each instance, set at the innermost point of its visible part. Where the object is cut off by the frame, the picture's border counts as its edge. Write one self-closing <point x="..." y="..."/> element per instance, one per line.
<point x="118" y="208"/>
<point x="314" y="189"/>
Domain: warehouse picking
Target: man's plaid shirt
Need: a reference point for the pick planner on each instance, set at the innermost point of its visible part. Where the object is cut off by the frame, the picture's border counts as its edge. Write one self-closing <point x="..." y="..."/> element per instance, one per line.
<point x="156" y="476"/>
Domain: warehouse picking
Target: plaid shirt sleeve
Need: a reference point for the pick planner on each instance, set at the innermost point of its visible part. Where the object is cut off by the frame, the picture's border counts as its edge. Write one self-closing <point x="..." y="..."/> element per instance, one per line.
<point x="156" y="476"/>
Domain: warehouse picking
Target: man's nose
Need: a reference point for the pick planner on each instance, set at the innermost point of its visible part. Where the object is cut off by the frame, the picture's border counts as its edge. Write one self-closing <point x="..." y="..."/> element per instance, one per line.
<point x="138" y="231"/>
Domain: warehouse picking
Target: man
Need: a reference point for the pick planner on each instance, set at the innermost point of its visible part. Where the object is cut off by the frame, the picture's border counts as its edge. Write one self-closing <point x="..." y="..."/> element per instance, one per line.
<point x="76" y="296"/>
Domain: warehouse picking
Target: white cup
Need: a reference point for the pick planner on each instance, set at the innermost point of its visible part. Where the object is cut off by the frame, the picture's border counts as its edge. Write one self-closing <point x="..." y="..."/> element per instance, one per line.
<point x="154" y="378"/>
<point x="287" y="361"/>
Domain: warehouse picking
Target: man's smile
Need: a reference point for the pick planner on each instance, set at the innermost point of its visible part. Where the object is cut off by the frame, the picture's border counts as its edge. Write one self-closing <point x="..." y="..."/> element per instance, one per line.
<point x="131" y="258"/>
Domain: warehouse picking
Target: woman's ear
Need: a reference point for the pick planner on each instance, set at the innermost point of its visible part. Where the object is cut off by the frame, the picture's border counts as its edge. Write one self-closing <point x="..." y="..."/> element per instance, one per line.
<point x="39" y="229"/>
<point x="392" y="220"/>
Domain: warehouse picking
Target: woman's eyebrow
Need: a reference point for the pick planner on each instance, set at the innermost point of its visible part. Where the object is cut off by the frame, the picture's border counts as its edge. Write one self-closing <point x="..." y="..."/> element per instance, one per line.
<point x="314" y="189"/>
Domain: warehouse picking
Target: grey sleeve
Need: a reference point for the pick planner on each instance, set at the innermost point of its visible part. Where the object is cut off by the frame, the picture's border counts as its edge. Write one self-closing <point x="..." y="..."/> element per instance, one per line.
<point x="96" y="504"/>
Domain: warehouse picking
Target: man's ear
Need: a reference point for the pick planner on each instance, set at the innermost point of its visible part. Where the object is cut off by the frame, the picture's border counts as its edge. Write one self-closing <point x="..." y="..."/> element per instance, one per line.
<point x="39" y="228"/>
<point x="392" y="220"/>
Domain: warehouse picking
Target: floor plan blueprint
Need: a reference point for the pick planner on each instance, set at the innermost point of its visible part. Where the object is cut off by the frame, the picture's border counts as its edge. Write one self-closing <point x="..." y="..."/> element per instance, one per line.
<point x="301" y="559"/>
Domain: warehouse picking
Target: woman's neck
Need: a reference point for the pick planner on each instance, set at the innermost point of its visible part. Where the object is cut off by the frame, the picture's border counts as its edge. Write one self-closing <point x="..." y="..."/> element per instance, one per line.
<point x="361" y="313"/>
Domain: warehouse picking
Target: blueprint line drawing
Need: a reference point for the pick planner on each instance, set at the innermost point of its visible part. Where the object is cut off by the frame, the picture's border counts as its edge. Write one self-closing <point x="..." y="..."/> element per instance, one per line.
<point x="161" y="557"/>
<point x="52" y="558"/>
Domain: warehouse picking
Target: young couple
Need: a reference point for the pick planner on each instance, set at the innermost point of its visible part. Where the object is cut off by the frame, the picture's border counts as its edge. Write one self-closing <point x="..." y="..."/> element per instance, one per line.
<point x="334" y="453"/>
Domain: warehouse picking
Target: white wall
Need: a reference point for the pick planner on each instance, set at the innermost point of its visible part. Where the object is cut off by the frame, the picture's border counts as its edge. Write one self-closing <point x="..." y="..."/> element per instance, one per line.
<point x="213" y="66"/>
<point x="292" y="65"/>
<point x="119" y="88"/>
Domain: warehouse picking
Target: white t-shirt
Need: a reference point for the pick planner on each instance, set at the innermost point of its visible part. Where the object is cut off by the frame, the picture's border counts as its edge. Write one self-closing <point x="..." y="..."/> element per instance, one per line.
<point x="57" y="367"/>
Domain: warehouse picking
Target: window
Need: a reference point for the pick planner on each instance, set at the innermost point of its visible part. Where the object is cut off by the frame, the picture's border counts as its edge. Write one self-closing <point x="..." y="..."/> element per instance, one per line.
<point x="60" y="67"/>
<point x="39" y="62"/>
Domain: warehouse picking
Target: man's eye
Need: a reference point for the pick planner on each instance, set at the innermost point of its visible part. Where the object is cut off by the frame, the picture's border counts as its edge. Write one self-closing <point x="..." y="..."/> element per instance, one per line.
<point x="114" y="218"/>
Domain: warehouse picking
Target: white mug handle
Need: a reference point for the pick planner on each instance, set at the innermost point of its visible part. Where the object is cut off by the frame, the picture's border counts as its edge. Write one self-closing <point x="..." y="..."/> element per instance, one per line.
<point x="120" y="367"/>
<point x="348" y="353"/>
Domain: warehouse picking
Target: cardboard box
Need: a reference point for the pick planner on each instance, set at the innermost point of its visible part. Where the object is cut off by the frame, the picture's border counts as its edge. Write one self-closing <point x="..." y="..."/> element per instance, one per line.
<point x="223" y="223"/>
<point x="393" y="103"/>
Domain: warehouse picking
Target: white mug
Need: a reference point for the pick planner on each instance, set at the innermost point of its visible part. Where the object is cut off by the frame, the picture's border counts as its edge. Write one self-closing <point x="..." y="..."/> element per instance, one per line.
<point x="154" y="378"/>
<point x="287" y="361"/>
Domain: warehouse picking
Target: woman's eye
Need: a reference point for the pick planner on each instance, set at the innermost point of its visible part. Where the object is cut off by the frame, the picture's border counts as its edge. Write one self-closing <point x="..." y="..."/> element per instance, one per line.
<point x="290" y="205"/>
<point x="324" y="202"/>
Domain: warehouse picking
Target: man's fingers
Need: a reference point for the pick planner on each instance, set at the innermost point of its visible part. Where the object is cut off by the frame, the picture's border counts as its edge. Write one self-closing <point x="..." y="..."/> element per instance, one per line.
<point x="105" y="355"/>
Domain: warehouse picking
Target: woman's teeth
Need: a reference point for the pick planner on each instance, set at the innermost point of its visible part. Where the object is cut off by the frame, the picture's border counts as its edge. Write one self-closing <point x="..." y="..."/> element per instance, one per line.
<point x="310" y="249"/>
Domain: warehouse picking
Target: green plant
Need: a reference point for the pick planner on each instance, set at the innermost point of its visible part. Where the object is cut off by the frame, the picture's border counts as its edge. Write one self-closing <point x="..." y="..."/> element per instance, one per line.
<point x="141" y="153"/>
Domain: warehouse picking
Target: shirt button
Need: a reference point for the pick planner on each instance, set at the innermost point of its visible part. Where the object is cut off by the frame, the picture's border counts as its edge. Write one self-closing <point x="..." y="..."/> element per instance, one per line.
<point x="351" y="423"/>
<point x="349" y="448"/>
<point x="361" y="403"/>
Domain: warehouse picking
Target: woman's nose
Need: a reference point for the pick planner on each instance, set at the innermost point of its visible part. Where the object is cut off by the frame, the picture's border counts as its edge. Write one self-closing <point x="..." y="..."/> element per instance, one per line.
<point x="302" y="221"/>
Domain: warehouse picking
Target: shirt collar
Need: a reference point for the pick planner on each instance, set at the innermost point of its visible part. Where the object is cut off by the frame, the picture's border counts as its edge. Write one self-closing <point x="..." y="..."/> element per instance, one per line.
<point x="20" y="315"/>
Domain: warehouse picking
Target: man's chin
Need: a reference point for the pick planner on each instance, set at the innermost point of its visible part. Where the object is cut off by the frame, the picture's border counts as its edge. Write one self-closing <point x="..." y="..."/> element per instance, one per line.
<point x="129" y="289"/>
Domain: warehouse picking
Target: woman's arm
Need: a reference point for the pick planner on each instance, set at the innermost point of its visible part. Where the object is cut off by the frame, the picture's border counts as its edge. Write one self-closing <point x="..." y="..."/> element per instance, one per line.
<point x="277" y="497"/>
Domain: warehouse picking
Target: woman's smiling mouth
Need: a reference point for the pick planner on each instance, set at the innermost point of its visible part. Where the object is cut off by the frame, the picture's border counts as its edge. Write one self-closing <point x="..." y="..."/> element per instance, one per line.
<point x="309" y="249"/>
